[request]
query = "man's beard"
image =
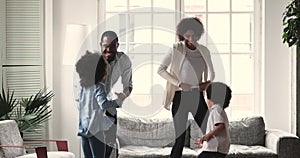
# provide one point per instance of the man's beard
(110, 59)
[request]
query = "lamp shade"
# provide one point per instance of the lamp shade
(74, 38)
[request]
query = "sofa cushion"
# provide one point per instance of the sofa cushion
(145, 132)
(243, 151)
(158, 132)
(152, 152)
(247, 131)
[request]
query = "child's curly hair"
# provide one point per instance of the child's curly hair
(219, 93)
(92, 69)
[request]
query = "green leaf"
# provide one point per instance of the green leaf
(7, 104)
(291, 23)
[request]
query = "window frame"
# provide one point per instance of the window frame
(257, 42)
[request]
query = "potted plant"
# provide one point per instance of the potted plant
(29, 113)
(291, 36)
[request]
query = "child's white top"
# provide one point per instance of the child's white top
(221, 141)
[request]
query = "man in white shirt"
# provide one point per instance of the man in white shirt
(120, 66)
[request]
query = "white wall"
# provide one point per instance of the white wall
(277, 69)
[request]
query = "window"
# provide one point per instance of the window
(146, 31)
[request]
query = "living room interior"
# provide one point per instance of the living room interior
(271, 64)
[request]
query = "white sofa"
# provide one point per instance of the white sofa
(151, 138)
